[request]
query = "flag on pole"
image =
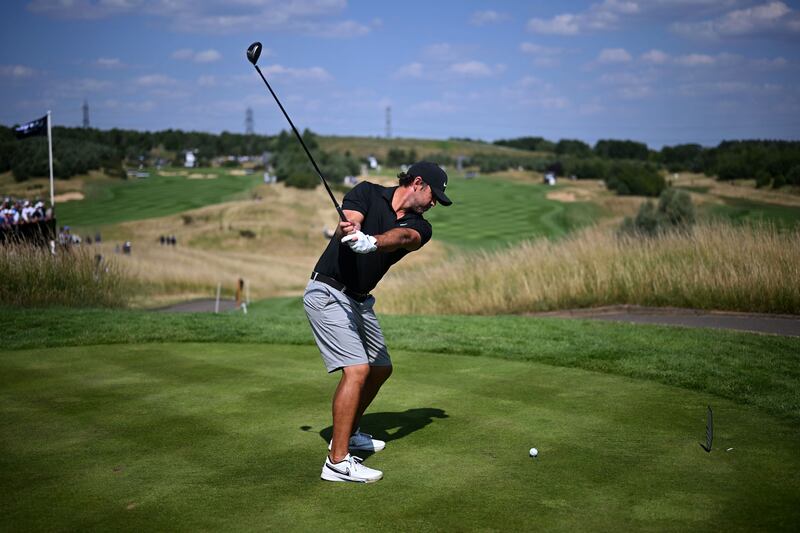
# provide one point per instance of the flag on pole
(32, 128)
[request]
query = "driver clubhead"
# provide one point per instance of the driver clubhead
(253, 52)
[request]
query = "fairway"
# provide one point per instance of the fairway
(489, 213)
(156, 196)
(746, 211)
(187, 437)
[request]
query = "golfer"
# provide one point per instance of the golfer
(383, 225)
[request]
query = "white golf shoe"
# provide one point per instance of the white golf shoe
(363, 442)
(349, 469)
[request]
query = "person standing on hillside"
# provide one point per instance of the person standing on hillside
(383, 225)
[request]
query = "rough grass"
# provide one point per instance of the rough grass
(30, 276)
(716, 266)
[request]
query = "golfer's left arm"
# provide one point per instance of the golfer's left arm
(397, 238)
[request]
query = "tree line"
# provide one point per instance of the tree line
(78, 150)
(631, 167)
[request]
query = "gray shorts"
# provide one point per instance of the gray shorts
(347, 332)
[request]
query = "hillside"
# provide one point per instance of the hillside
(362, 147)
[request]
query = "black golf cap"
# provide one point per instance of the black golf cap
(434, 176)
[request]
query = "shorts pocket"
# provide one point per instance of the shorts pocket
(317, 298)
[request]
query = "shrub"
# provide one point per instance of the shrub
(614, 149)
(632, 178)
(674, 211)
(793, 176)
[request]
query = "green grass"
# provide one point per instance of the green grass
(695, 188)
(135, 199)
(744, 211)
(489, 213)
(758, 370)
(188, 437)
(138, 421)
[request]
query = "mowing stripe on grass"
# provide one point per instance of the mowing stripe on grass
(187, 437)
(157, 196)
(491, 213)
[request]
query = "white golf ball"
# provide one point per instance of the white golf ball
(534, 452)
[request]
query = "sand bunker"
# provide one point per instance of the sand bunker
(562, 196)
(68, 197)
(202, 176)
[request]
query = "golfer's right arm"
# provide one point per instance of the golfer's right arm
(353, 224)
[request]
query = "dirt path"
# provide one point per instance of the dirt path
(787, 325)
(202, 305)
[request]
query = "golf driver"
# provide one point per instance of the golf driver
(253, 53)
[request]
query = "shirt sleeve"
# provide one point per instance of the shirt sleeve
(422, 226)
(358, 198)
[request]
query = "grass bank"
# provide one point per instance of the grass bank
(745, 368)
(489, 213)
(30, 276)
(163, 193)
(752, 268)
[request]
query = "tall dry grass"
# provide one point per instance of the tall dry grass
(30, 276)
(715, 266)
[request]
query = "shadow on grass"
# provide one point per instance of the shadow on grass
(391, 426)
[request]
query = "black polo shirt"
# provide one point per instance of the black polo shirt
(362, 272)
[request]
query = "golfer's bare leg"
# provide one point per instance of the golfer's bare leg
(346, 404)
(376, 378)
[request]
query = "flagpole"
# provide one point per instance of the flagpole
(50, 150)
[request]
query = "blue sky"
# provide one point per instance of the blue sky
(658, 71)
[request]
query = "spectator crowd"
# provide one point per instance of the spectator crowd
(19, 211)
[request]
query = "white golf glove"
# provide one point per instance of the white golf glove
(361, 243)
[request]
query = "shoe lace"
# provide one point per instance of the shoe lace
(355, 462)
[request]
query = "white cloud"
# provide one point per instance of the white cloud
(769, 17)
(656, 57)
(91, 85)
(775, 63)
(441, 52)
(599, 16)
(412, 70)
(728, 87)
(207, 56)
(82, 9)
(695, 60)
(338, 29)
(183, 53)
(566, 24)
(311, 73)
(482, 18)
(543, 56)
(472, 69)
(207, 81)
(155, 80)
(16, 71)
(314, 17)
(109, 62)
(635, 92)
(613, 55)
(530, 91)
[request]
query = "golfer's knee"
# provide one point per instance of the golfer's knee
(356, 373)
(381, 372)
